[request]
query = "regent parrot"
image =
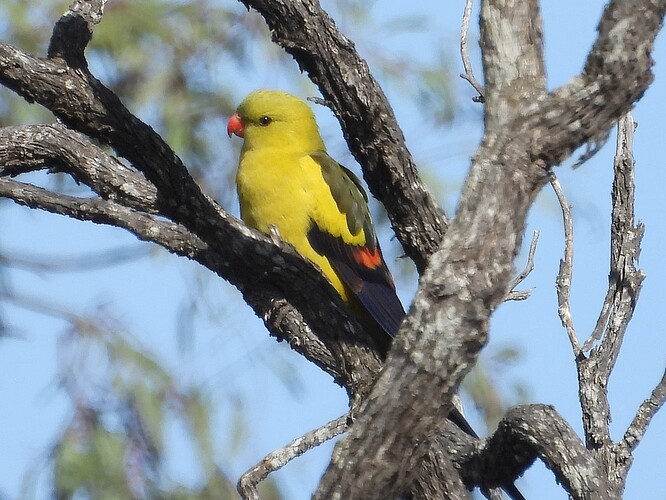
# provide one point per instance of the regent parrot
(286, 180)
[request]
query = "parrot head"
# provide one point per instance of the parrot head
(272, 118)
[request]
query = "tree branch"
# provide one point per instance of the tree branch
(625, 279)
(74, 30)
(147, 227)
(636, 430)
(565, 273)
(616, 73)
(247, 484)
(464, 53)
(624, 285)
(539, 431)
(58, 149)
(469, 275)
(432, 472)
(529, 267)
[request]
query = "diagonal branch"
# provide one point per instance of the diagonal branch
(636, 430)
(173, 237)
(616, 73)
(247, 485)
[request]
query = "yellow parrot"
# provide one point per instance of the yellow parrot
(287, 180)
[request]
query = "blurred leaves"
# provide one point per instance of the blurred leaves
(424, 78)
(124, 401)
(483, 385)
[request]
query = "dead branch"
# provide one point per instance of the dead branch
(563, 281)
(464, 52)
(624, 285)
(247, 484)
(529, 267)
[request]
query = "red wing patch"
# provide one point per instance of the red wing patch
(365, 273)
(367, 258)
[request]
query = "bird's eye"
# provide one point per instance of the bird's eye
(265, 120)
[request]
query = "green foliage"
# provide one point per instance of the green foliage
(484, 390)
(123, 400)
(93, 463)
(29, 29)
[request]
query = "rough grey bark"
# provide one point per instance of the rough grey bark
(527, 133)
(401, 440)
(625, 281)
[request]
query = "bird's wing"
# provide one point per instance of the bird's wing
(361, 267)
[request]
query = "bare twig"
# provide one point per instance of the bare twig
(563, 281)
(625, 239)
(320, 101)
(646, 411)
(529, 267)
(467, 63)
(247, 484)
(624, 285)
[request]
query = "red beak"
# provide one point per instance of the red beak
(235, 126)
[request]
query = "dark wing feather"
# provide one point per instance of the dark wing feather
(372, 286)
(362, 268)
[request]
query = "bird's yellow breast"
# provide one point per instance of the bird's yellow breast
(288, 191)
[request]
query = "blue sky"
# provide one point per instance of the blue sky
(281, 395)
